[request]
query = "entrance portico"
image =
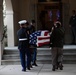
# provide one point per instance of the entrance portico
(21, 9)
(27, 9)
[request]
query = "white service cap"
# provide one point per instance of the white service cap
(22, 22)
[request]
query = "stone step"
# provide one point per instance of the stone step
(11, 55)
(11, 50)
(40, 50)
(50, 62)
(47, 50)
(42, 61)
(66, 47)
(49, 58)
(40, 56)
(14, 56)
(11, 62)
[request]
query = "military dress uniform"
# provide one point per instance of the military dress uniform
(23, 47)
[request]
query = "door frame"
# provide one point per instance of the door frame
(45, 6)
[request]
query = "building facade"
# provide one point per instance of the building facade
(30, 9)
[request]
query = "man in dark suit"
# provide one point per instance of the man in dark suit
(23, 46)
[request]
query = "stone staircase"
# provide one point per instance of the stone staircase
(11, 55)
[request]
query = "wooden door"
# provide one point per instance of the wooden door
(48, 13)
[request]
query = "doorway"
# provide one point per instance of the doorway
(48, 13)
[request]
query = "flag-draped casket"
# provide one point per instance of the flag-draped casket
(40, 38)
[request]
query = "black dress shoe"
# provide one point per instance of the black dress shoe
(28, 68)
(60, 66)
(24, 70)
(34, 64)
(56, 67)
(31, 66)
(53, 69)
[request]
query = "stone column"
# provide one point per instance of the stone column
(10, 28)
(9, 23)
(1, 28)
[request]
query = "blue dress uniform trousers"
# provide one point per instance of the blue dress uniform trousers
(25, 53)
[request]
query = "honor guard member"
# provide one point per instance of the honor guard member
(23, 45)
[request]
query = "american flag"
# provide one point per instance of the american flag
(40, 38)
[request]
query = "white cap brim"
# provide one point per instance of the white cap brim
(22, 22)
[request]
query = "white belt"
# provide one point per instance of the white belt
(23, 39)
